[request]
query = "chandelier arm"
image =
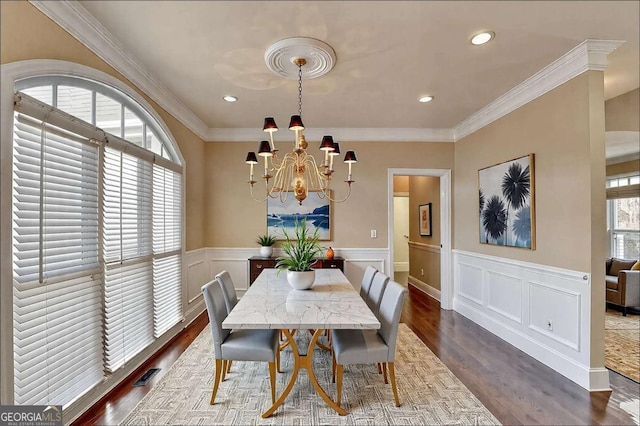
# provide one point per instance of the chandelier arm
(328, 194)
(322, 181)
(256, 199)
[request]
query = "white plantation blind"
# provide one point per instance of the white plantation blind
(128, 311)
(57, 283)
(97, 236)
(167, 245)
(127, 217)
(167, 298)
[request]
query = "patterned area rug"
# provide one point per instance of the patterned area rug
(622, 344)
(429, 392)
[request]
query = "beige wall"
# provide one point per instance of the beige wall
(422, 190)
(554, 127)
(25, 33)
(622, 113)
(236, 219)
(565, 130)
(400, 184)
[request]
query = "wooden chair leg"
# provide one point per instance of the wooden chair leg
(384, 372)
(272, 379)
(392, 375)
(224, 369)
(339, 371)
(333, 367)
(229, 366)
(379, 368)
(278, 362)
(216, 381)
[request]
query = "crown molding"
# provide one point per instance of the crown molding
(339, 134)
(78, 22)
(587, 56)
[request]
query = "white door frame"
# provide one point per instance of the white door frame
(446, 282)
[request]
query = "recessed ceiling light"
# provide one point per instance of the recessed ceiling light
(424, 99)
(230, 98)
(482, 38)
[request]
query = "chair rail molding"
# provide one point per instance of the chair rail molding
(542, 310)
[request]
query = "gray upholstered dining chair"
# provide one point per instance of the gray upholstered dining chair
(240, 345)
(230, 300)
(367, 278)
(228, 290)
(371, 346)
(374, 297)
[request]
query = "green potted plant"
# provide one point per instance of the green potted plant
(300, 255)
(266, 242)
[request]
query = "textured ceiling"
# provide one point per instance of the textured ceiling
(388, 54)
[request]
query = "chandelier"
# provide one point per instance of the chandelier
(298, 172)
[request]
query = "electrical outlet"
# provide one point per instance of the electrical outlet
(549, 325)
(422, 272)
(374, 233)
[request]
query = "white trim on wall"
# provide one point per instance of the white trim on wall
(542, 310)
(587, 56)
(425, 288)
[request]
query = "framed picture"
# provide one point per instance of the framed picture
(506, 203)
(283, 215)
(424, 216)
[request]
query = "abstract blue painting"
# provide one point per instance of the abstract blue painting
(506, 203)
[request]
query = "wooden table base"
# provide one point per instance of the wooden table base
(306, 362)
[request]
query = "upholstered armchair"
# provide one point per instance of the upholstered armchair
(623, 284)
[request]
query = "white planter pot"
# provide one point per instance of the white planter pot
(266, 251)
(301, 280)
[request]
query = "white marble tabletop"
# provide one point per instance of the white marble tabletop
(331, 302)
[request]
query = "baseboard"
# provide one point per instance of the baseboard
(430, 291)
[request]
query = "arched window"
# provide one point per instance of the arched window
(97, 235)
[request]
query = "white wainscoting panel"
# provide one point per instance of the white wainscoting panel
(233, 260)
(196, 267)
(504, 295)
(471, 283)
(542, 310)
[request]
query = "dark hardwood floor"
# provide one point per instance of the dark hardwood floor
(516, 388)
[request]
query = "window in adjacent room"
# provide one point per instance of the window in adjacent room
(623, 216)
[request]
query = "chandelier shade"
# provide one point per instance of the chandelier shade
(298, 172)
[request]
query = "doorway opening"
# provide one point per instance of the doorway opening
(442, 202)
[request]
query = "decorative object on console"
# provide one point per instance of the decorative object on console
(424, 215)
(299, 256)
(266, 242)
(282, 216)
(506, 201)
(298, 171)
(330, 253)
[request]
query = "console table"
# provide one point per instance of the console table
(257, 264)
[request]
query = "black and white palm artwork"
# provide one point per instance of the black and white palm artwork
(505, 196)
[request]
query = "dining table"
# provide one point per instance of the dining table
(331, 303)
